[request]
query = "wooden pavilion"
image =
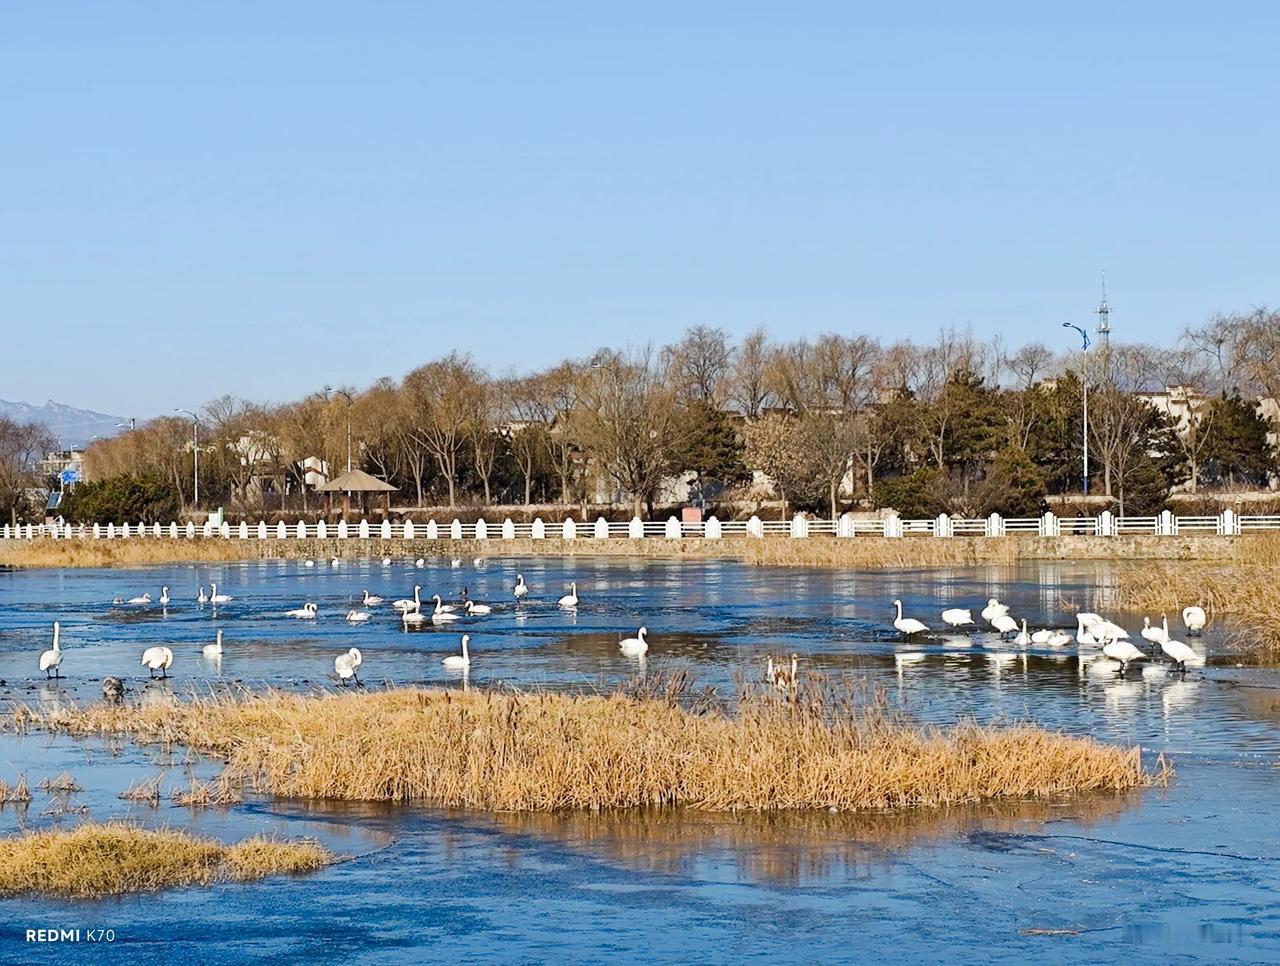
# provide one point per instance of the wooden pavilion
(357, 481)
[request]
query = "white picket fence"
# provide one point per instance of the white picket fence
(1228, 523)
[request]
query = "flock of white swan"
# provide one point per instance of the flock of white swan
(160, 658)
(1094, 634)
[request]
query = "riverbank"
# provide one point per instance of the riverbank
(814, 551)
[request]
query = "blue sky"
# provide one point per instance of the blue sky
(261, 198)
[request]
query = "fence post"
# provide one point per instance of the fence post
(844, 527)
(755, 527)
(482, 529)
(244, 530)
(1049, 526)
(671, 530)
(410, 529)
(635, 529)
(508, 529)
(1106, 524)
(539, 529)
(892, 525)
(1167, 524)
(433, 529)
(799, 526)
(364, 530)
(386, 529)
(322, 531)
(712, 530)
(942, 526)
(569, 530)
(1228, 523)
(601, 530)
(995, 525)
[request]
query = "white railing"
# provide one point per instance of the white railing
(1227, 523)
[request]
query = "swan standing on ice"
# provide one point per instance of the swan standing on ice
(476, 610)
(213, 650)
(164, 596)
(408, 605)
(51, 659)
(1058, 639)
(957, 616)
(521, 589)
(307, 611)
(994, 609)
(459, 662)
(357, 616)
(635, 646)
(1194, 619)
(201, 597)
(1156, 635)
(1124, 652)
(1179, 653)
(371, 600)
(907, 626)
(1005, 624)
(570, 599)
(1023, 639)
(215, 597)
(157, 659)
(344, 665)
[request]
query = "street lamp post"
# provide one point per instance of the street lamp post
(195, 452)
(343, 392)
(1084, 384)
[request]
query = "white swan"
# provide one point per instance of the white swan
(1124, 652)
(334, 562)
(357, 616)
(407, 605)
(1107, 631)
(201, 597)
(420, 562)
(1024, 638)
(570, 599)
(144, 599)
(907, 626)
(635, 646)
(157, 659)
(1179, 653)
(474, 610)
(412, 618)
(213, 650)
(442, 615)
(462, 661)
(455, 563)
(521, 588)
(215, 597)
(1005, 624)
(307, 611)
(1194, 619)
(1042, 637)
(1058, 639)
(308, 563)
(994, 609)
(164, 596)
(1156, 635)
(479, 562)
(344, 665)
(371, 600)
(782, 678)
(957, 616)
(1083, 633)
(386, 561)
(51, 659)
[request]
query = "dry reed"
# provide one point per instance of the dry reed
(63, 783)
(514, 752)
(1243, 590)
(20, 792)
(113, 858)
(134, 552)
(147, 792)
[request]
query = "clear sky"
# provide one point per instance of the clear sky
(260, 198)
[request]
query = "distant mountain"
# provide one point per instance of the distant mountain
(74, 427)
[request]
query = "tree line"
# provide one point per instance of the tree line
(955, 425)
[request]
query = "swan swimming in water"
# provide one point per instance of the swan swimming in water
(344, 665)
(51, 659)
(157, 659)
(371, 600)
(357, 616)
(475, 610)
(442, 614)
(408, 605)
(635, 646)
(215, 597)
(521, 588)
(306, 611)
(201, 597)
(455, 563)
(459, 662)
(570, 599)
(412, 618)
(213, 650)
(907, 626)
(144, 599)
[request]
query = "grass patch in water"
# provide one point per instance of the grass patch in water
(114, 858)
(828, 748)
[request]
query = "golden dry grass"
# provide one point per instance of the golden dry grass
(515, 752)
(134, 552)
(113, 858)
(881, 552)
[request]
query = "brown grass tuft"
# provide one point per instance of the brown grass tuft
(509, 751)
(63, 783)
(20, 792)
(99, 859)
(147, 792)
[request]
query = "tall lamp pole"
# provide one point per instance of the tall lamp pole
(343, 392)
(1084, 384)
(195, 452)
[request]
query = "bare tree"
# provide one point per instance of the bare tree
(700, 363)
(442, 397)
(748, 389)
